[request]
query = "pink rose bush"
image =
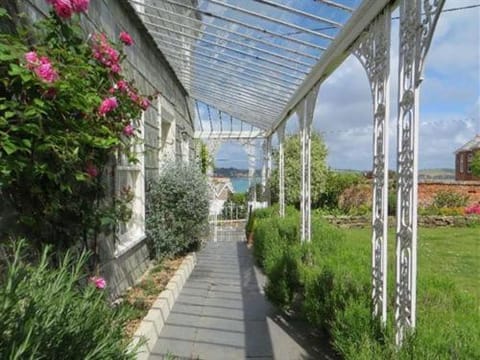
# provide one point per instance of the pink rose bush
(73, 111)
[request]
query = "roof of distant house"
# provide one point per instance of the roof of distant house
(471, 145)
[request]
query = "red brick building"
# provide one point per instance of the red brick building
(464, 158)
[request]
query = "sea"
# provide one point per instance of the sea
(240, 185)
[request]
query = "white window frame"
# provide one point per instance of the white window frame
(135, 233)
(462, 164)
(167, 141)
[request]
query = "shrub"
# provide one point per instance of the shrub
(47, 314)
(449, 199)
(336, 183)
(177, 209)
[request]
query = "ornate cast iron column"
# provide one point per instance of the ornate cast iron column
(281, 169)
(305, 112)
(268, 166)
(250, 149)
(373, 51)
(418, 19)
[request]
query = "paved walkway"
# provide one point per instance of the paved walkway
(222, 313)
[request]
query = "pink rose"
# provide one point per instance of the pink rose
(63, 8)
(108, 105)
(122, 85)
(115, 68)
(80, 5)
(98, 281)
(126, 38)
(128, 130)
(32, 59)
(133, 96)
(91, 170)
(144, 103)
(46, 72)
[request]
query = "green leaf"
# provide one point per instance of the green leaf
(9, 114)
(80, 176)
(4, 13)
(27, 143)
(9, 147)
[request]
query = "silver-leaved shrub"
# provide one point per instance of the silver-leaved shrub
(177, 209)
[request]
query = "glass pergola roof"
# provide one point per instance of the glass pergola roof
(253, 59)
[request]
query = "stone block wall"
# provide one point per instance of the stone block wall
(358, 222)
(147, 66)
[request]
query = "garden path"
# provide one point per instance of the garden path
(222, 312)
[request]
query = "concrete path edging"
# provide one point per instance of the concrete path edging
(152, 324)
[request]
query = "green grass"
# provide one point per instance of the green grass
(452, 253)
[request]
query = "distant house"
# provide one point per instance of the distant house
(223, 187)
(220, 190)
(464, 158)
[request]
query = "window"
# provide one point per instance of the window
(461, 163)
(469, 162)
(130, 179)
(167, 135)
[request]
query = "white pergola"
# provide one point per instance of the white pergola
(260, 61)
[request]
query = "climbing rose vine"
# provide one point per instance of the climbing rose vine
(66, 111)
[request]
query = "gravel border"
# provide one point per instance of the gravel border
(152, 324)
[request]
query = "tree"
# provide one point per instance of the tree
(336, 184)
(293, 170)
(476, 164)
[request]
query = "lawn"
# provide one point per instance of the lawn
(449, 253)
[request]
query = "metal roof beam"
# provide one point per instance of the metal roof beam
(300, 12)
(248, 26)
(266, 108)
(224, 81)
(336, 5)
(336, 53)
(234, 135)
(258, 102)
(221, 28)
(276, 63)
(226, 84)
(254, 116)
(250, 106)
(267, 83)
(289, 82)
(243, 44)
(273, 20)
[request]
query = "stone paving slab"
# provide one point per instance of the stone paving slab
(221, 313)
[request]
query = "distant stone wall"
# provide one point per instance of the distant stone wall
(351, 222)
(427, 190)
(146, 65)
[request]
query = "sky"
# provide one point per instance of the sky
(449, 105)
